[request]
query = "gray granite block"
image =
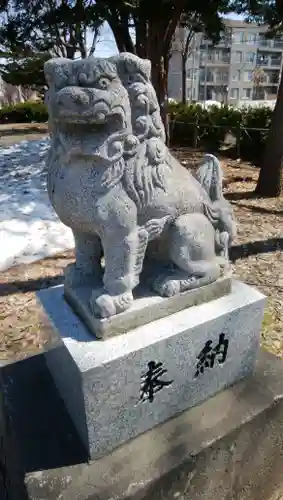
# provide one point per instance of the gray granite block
(101, 382)
(147, 306)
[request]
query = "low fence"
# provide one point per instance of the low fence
(245, 142)
(236, 105)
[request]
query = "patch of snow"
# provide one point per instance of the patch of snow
(29, 228)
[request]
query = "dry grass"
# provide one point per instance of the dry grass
(257, 260)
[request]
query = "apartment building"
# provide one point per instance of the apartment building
(244, 65)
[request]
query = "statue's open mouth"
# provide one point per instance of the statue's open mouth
(93, 125)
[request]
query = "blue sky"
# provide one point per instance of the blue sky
(106, 45)
(234, 16)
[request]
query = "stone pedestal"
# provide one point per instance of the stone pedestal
(146, 308)
(116, 389)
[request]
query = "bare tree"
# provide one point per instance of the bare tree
(258, 78)
(183, 42)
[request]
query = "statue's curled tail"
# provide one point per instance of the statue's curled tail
(219, 212)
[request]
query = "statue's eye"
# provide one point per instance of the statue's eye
(103, 83)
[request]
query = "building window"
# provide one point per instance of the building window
(247, 93)
(206, 76)
(273, 77)
(191, 74)
(222, 76)
(225, 36)
(234, 93)
(278, 43)
(208, 94)
(218, 55)
(236, 76)
(209, 76)
(205, 42)
(237, 37)
(237, 57)
(250, 57)
(248, 76)
(276, 60)
(262, 59)
(265, 42)
(251, 38)
(207, 56)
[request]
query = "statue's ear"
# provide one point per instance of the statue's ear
(147, 68)
(57, 71)
(128, 64)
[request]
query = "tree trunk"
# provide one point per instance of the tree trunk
(159, 76)
(184, 79)
(141, 38)
(165, 116)
(270, 177)
(121, 33)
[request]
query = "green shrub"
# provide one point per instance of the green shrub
(26, 112)
(253, 141)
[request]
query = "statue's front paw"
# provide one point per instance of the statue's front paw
(106, 305)
(103, 307)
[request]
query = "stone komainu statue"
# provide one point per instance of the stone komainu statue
(128, 201)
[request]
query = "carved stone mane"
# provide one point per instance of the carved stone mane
(146, 162)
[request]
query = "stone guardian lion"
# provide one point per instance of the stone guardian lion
(128, 201)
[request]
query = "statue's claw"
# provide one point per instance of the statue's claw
(109, 305)
(166, 287)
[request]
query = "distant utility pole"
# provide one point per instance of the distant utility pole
(193, 69)
(205, 72)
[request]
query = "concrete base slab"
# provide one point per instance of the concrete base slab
(228, 447)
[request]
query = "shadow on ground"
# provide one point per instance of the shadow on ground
(30, 285)
(237, 252)
(43, 433)
(255, 247)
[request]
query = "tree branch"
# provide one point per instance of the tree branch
(94, 41)
(172, 25)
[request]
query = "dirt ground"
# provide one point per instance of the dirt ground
(14, 133)
(256, 255)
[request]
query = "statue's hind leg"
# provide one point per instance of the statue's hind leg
(87, 268)
(192, 250)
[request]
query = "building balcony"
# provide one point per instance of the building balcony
(269, 83)
(215, 82)
(261, 62)
(209, 62)
(276, 45)
(269, 63)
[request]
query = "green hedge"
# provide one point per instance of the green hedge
(192, 125)
(26, 112)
